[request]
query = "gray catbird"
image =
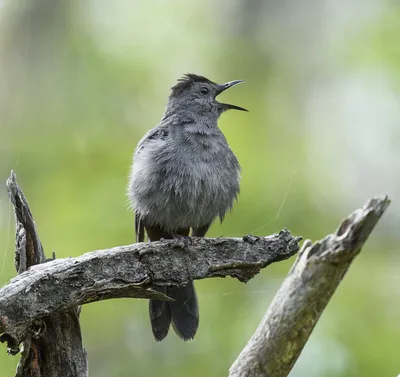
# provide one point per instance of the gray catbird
(183, 176)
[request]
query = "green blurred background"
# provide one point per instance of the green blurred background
(82, 81)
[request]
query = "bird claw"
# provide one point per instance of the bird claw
(186, 240)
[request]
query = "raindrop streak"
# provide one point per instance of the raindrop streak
(281, 206)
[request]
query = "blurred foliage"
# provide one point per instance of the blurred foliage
(81, 82)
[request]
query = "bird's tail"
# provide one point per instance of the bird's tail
(183, 312)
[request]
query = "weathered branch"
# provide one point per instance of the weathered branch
(53, 346)
(296, 308)
(131, 271)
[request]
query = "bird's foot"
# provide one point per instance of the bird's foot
(186, 241)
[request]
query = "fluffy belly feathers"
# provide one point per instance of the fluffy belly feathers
(180, 193)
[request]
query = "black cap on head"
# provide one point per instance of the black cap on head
(187, 81)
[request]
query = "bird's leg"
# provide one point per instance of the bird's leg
(200, 231)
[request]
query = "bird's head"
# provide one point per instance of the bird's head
(198, 95)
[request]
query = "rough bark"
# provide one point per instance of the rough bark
(39, 306)
(297, 306)
(131, 271)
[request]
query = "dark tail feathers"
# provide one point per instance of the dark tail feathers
(183, 312)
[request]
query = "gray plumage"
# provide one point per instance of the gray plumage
(183, 176)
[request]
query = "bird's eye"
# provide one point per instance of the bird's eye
(204, 90)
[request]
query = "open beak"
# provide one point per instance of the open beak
(222, 88)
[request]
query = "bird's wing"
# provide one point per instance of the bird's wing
(162, 131)
(155, 134)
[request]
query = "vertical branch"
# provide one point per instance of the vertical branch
(289, 321)
(53, 347)
(28, 248)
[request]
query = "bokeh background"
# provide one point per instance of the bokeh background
(82, 81)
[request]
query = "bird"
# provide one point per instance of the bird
(183, 176)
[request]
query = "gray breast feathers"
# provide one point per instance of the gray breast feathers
(181, 181)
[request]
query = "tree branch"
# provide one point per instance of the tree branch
(131, 271)
(297, 306)
(53, 346)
